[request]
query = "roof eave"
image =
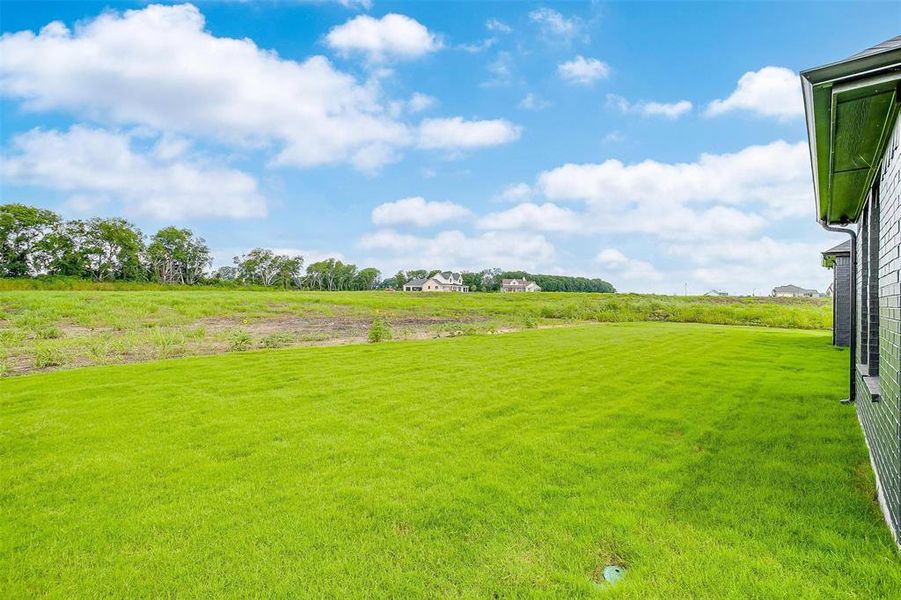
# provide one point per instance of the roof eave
(822, 88)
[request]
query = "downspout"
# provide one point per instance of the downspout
(852, 367)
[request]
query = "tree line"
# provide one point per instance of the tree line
(489, 280)
(38, 242)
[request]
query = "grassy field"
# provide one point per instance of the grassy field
(709, 461)
(50, 329)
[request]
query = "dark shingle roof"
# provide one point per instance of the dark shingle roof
(416, 282)
(843, 248)
(885, 46)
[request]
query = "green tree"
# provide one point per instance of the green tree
(178, 256)
(367, 279)
(112, 249)
(22, 229)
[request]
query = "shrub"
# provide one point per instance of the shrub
(379, 331)
(47, 356)
(278, 339)
(239, 340)
(49, 332)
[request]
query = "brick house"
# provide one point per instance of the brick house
(838, 258)
(855, 149)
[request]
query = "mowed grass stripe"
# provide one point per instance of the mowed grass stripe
(712, 461)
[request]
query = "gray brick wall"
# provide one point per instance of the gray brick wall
(882, 420)
(841, 301)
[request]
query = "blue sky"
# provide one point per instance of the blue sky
(656, 145)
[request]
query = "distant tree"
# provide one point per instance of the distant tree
(177, 256)
(367, 279)
(491, 279)
(562, 283)
(287, 271)
(112, 249)
(22, 229)
(63, 250)
(257, 267)
(226, 273)
(473, 280)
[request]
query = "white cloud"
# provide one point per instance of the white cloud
(159, 68)
(633, 271)
(555, 27)
(500, 69)
(417, 211)
(769, 92)
(498, 26)
(583, 71)
(543, 217)
(517, 192)
(672, 110)
(455, 133)
(476, 47)
(671, 223)
(97, 166)
(533, 102)
(456, 250)
(743, 266)
(776, 175)
(392, 36)
(420, 102)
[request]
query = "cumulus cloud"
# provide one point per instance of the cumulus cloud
(393, 36)
(537, 217)
(776, 175)
(500, 70)
(754, 265)
(769, 92)
(498, 26)
(633, 271)
(96, 166)
(455, 133)
(583, 71)
(159, 68)
(417, 211)
(456, 250)
(533, 102)
(671, 110)
(517, 192)
(555, 27)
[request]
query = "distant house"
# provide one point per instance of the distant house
(716, 293)
(838, 258)
(519, 285)
(445, 281)
(854, 137)
(794, 291)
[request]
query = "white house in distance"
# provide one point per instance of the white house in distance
(445, 281)
(794, 291)
(716, 293)
(519, 285)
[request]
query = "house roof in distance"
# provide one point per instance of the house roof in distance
(416, 282)
(791, 288)
(843, 248)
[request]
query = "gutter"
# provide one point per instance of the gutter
(852, 366)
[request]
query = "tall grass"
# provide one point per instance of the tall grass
(115, 325)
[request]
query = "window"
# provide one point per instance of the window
(873, 283)
(869, 285)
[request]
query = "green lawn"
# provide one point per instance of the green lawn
(50, 329)
(710, 461)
